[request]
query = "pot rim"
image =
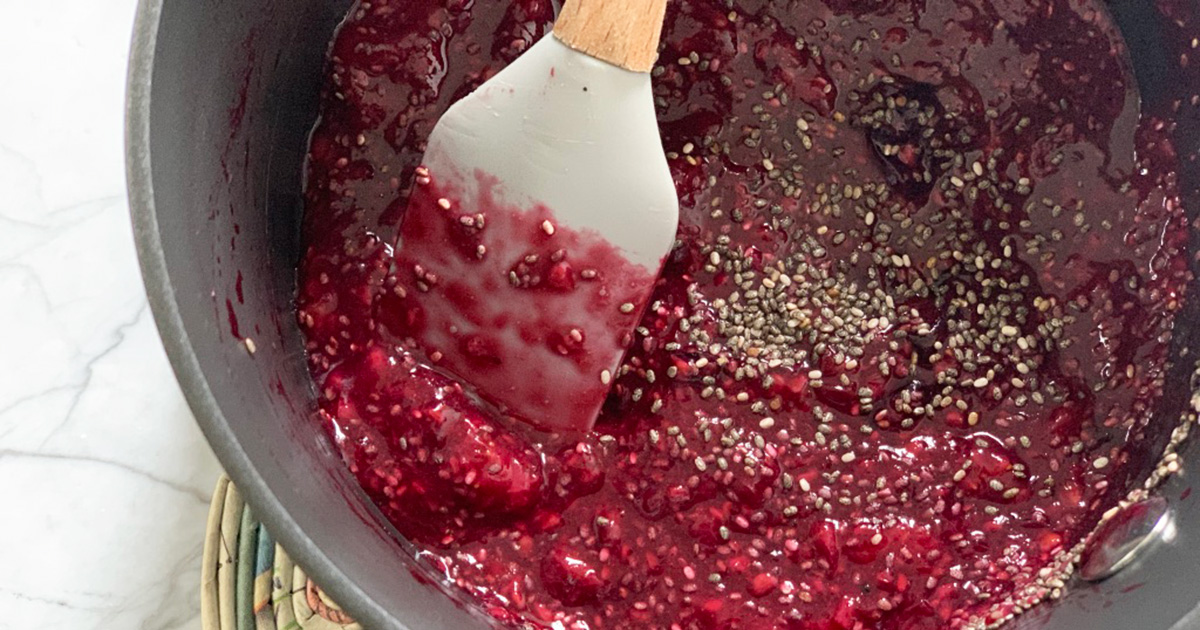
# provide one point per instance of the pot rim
(159, 290)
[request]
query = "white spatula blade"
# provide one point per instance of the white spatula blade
(533, 242)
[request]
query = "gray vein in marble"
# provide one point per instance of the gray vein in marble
(29, 398)
(180, 586)
(119, 336)
(200, 496)
(88, 210)
(34, 278)
(60, 603)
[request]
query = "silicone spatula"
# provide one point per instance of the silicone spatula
(541, 217)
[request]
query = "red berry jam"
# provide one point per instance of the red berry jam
(896, 366)
(492, 291)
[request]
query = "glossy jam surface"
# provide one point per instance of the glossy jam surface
(928, 262)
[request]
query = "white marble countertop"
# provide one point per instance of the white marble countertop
(104, 477)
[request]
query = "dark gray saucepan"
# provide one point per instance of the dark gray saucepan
(222, 95)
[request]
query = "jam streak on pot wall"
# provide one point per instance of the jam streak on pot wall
(929, 258)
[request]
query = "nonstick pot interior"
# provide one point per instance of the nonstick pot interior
(222, 96)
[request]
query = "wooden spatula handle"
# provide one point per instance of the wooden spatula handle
(622, 32)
